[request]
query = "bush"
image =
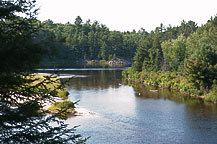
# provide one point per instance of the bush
(212, 94)
(54, 84)
(67, 108)
(103, 62)
(167, 79)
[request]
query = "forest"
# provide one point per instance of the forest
(186, 61)
(74, 43)
(180, 57)
(23, 93)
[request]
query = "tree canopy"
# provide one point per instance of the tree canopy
(183, 57)
(22, 97)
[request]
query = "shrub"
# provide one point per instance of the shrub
(67, 108)
(212, 94)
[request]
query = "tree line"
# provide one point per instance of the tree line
(187, 62)
(23, 118)
(182, 57)
(73, 43)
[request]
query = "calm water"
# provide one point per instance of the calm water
(118, 112)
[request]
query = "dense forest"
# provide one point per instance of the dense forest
(23, 94)
(185, 60)
(181, 57)
(74, 43)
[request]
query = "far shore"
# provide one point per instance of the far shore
(159, 86)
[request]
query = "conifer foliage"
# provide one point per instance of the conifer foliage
(22, 119)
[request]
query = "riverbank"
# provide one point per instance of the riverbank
(54, 85)
(58, 103)
(171, 80)
(160, 86)
(122, 108)
(116, 62)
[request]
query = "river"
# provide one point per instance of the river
(118, 112)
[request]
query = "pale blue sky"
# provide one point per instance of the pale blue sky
(126, 15)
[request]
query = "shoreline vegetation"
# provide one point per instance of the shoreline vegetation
(164, 87)
(54, 85)
(183, 57)
(187, 63)
(115, 62)
(23, 94)
(169, 80)
(60, 102)
(180, 57)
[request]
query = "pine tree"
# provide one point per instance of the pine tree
(22, 97)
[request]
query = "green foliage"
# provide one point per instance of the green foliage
(212, 95)
(201, 68)
(166, 79)
(63, 94)
(155, 55)
(22, 96)
(67, 108)
(64, 105)
(142, 55)
(187, 60)
(83, 41)
(93, 41)
(130, 73)
(103, 62)
(188, 28)
(205, 35)
(174, 53)
(16, 36)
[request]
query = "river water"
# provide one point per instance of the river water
(118, 112)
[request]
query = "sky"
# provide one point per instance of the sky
(126, 15)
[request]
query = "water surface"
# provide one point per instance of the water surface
(118, 112)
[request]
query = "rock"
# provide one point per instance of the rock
(153, 90)
(117, 61)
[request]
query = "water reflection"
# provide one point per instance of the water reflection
(103, 89)
(193, 103)
(131, 113)
(95, 80)
(194, 120)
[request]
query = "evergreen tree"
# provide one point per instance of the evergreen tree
(174, 52)
(155, 54)
(22, 98)
(201, 67)
(141, 58)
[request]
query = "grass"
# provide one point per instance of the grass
(97, 62)
(172, 80)
(52, 86)
(66, 109)
(50, 82)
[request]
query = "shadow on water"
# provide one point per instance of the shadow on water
(151, 92)
(186, 120)
(95, 80)
(127, 112)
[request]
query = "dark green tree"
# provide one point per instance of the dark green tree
(187, 28)
(141, 58)
(78, 22)
(201, 68)
(155, 54)
(22, 117)
(174, 53)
